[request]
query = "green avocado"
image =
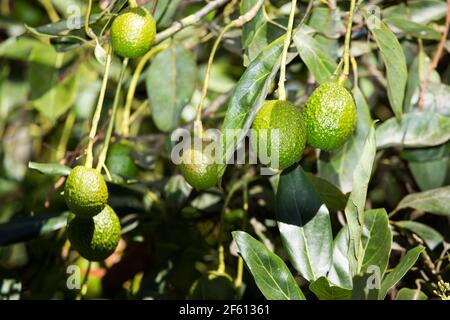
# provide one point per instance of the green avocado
(288, 120)
(85, 192)
(330, 115)
(199, 169)
(120, 162)
(133, 32)
(97, 238)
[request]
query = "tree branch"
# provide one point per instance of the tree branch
(189, 20)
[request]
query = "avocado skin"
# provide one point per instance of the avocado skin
(330, 115)
(284, 116)
(85, 192)
(97, 238)
(133, 33)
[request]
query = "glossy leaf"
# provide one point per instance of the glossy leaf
(271, 274)
(304, 224)
(325, 291)
(248, 96)
(316, 58)
(433, 201)
(406, 263)
(333, 198)
(354, 211)
(414, 130)
(338, 166)
(430, 236)
(51, 169)
(171, 81)
(394, 60)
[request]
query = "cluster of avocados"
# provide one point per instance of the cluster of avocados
(325, 122)
(93, 227)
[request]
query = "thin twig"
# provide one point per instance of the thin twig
(436, 59)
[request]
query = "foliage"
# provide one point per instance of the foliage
(369, 220)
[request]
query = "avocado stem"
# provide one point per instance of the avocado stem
(348, 34)
(132, 3)
(133, 84)
(98, 111)
(287, 43)
(104, 152)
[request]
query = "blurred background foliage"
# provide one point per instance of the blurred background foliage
(50, 78)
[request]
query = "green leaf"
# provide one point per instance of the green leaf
(412, 28)
(248, 97)
(433, 201)
(406, 263)
(414, 130)
(324, 291)
(250, 28)
(30, 227)
(431, 174)
(171, 81)
(340, 273)
(333, 198)
(264, 35)
(271, 274)
(419, 11)
(376, 240)
(337, 167)
(354, 211)
(304, 224)
(394, 60)
(427, 154)
(51, 169)
(431, 237)
(411, 294)
(316, 58)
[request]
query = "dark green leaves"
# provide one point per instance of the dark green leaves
(24, 229)
(171, 81)
(51, 169)
(316, 57)
(304, 224)
(434, 201)
(249, 95)
(406, 263)
(271, 274)
(394, 59)
(414, 130)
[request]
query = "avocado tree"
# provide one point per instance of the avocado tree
(224, 149)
